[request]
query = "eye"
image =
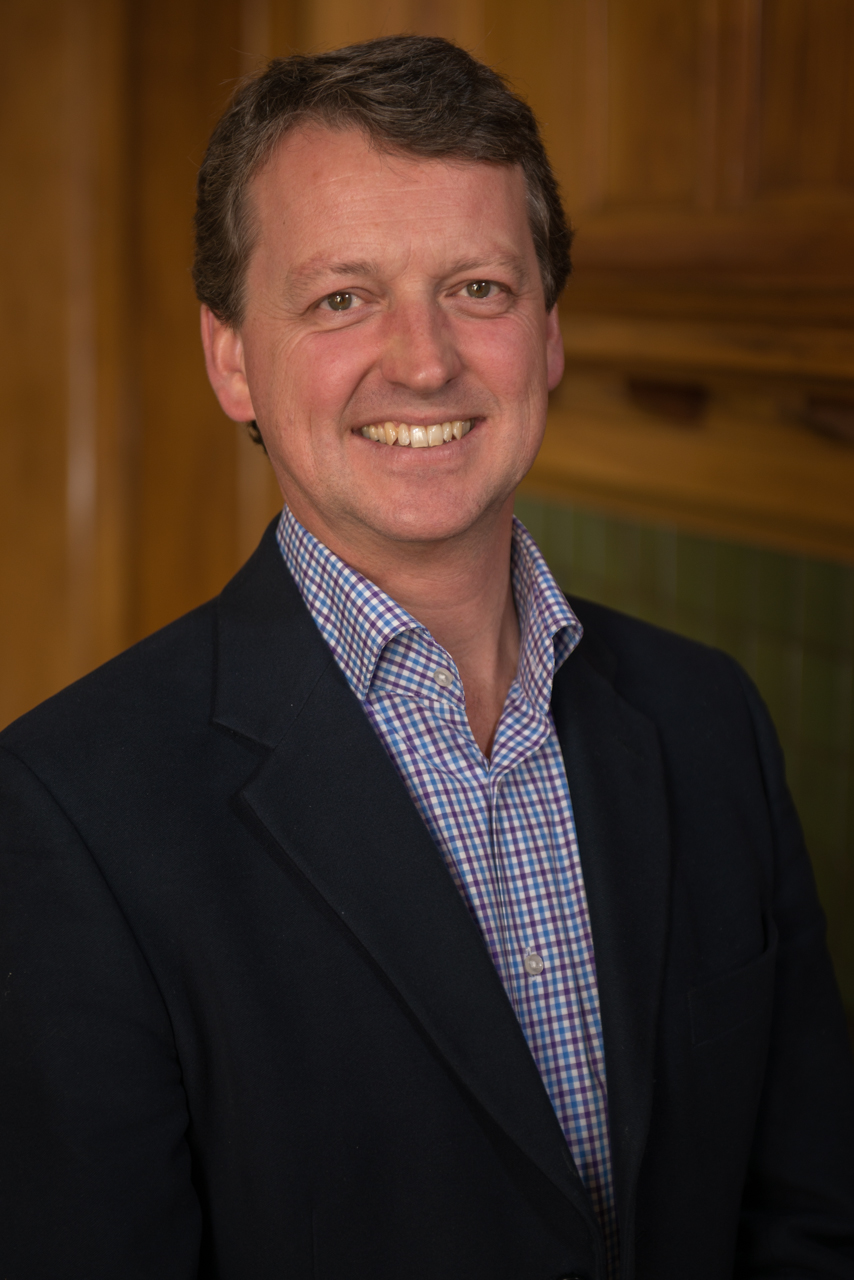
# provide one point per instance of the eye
(479, 288)
(341, 301)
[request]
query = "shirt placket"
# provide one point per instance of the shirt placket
(520, 734)
(542, 966)
(505, 826)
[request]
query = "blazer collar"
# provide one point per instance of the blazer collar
(330, 799)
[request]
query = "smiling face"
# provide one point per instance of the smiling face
(387, 289)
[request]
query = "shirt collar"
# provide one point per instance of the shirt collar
(357, 620)
(549, 628)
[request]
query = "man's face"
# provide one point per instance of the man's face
(386, 288)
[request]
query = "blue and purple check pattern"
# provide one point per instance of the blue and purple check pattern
(504, 826)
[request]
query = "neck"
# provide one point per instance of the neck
(460, 590)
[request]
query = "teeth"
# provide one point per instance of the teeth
(418, 437)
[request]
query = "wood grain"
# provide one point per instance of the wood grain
(706, 151)
(63, 531)
(749, 471)
(690, 344)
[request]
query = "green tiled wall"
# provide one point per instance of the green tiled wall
(787, 619)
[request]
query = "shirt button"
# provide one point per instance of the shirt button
(534, 964)
(443, 677)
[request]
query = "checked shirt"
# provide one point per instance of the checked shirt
(504, 826)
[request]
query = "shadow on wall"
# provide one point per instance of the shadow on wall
(787, 619)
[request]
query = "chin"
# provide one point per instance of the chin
(433, 522)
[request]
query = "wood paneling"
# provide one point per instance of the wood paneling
(184, 64)
(690, 345)
(706, 150)
(653, 97)
(63, 539)
(758, 462)
(125, 495)
(713, 136)
(35, 395)
(805, 103)
(328, 24)
(746, 467)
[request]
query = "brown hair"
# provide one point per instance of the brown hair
(417, 94)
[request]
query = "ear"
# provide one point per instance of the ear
(226, 368)
(554, 349)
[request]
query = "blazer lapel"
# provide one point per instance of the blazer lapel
(616, 782)
(332, 802)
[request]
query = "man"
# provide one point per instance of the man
(387, 917)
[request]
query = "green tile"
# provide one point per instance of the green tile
(696, 575)
(788, 620)
(737, 572)
(829, 606)
(777, 672)
(628, 548)
(590, 539)
(826, 702)
(667, 569)
(533, 515)
(614, 563)
(557, 542)
(779, 598)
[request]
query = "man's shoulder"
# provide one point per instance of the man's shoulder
(662, 672)
(633, 642)
(163, 682)
(164, 685)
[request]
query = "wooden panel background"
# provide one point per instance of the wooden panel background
(64, 439)
(706, 149)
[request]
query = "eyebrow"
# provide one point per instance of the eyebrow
(316, 267)
(508, 261)
(306, 273)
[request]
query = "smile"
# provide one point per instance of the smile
(418, 437)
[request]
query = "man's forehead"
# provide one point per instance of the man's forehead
(312, 140)
(314, 166)
(350, 202)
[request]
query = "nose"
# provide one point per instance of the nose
(420, 351)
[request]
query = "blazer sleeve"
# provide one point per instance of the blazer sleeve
(94, 1159)
(798, 1207)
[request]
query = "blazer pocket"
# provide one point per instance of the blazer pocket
(726, 1003)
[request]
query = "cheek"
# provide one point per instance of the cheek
(510, 360)
(319, 376)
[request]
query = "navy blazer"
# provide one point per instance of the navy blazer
(249, 1029)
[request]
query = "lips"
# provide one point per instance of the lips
(418, 437)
